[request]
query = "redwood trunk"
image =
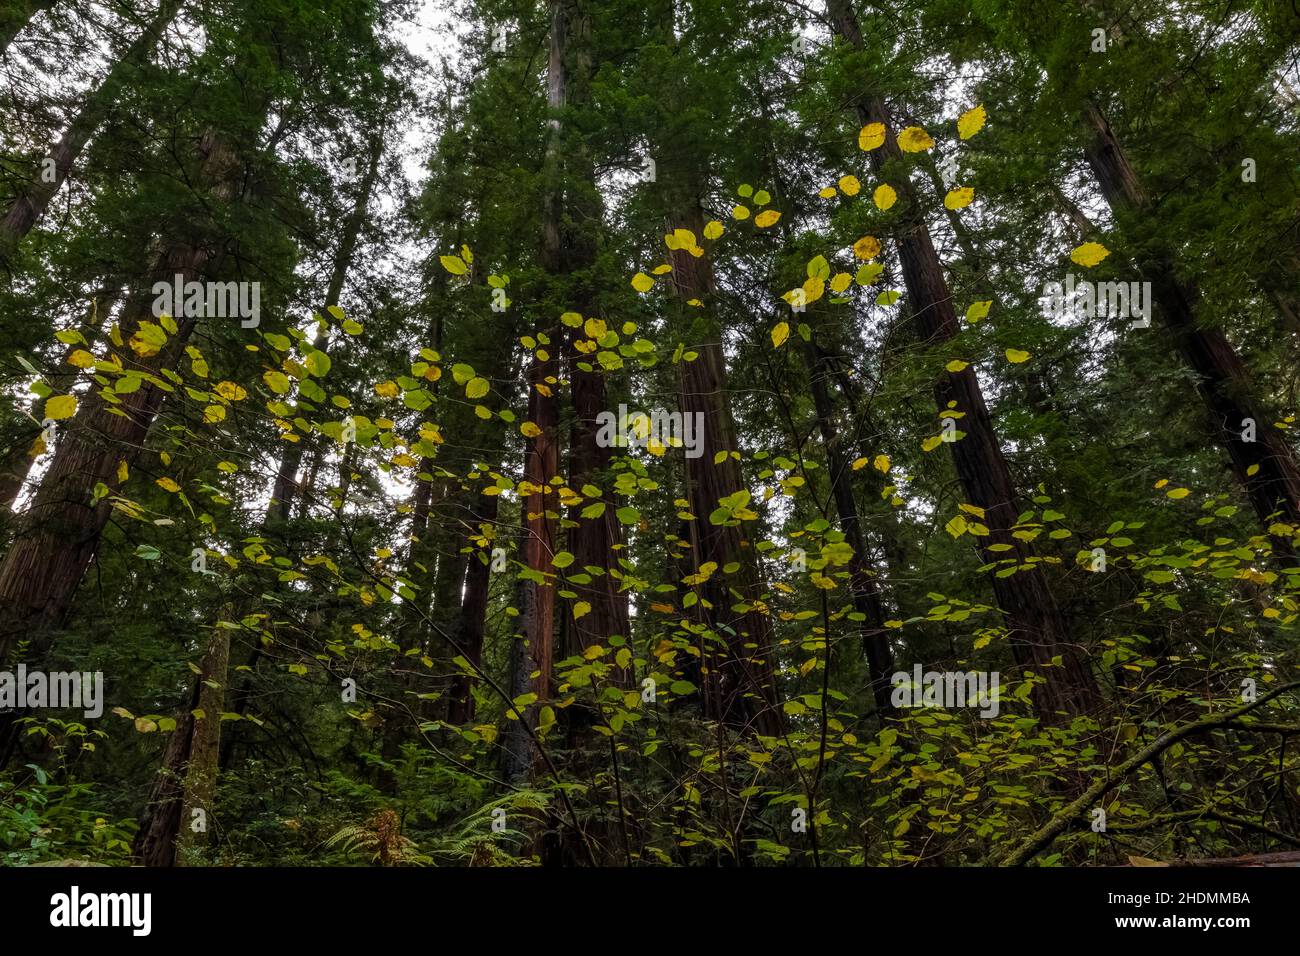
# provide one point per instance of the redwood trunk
(1037, 630)
(1222, 380)
(179, 815)
(59, 534)
(739, 677)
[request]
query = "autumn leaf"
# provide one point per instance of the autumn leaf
(167, 484)
(970, 122)
(914, 140)
(871, 136)
(713, 229)
(1015, 356)
(642, 282)
(868, 247)
(1089, 254)
(959, 198)
(978, 311)
(885, 196)
(60, 406)
(881, 463)
(740, 212)
(476, 387)
(849, 185)
(454, 264)
(768, 217)
(277, 382)
(780, 334)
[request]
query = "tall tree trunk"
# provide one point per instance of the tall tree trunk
(1037, 630)
(864, 588)
(179, 815)
(472, 623)
(28, 207)
(739, 677)
(541, 456)
(286, 477)
(573, 214)
(16, 15)
(1222, 380)
(59, 534)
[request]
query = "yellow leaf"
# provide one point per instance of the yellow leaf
(813, 289)
(166, 484)
(970, 122)
(780, 334)
(1161, 483)
(868, 247)
(476, 387)
(81, 359)
(1089, 254)
(871, 136)
(914, 140)
(123, 471)
(713, 229)
(850, 185)
(860, 463)
(642, 282)
(581, 609)
(454, 264)
(840, 282)
(530, 430)
(231, 392)
(60, 406)
(1015, 356)
(662, 270)
(881, 463)
(1252, 470)
(957, 365)
(1178, 493)
(387, 389)
(740, 212)
(959, 198)
(978, 310)
(214, 413)
(767, 217)
(827, 192)
(885, 196)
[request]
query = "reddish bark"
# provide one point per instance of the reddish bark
(1038, 635)
(58, 535)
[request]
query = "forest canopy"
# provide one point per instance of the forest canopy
(656, 433)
